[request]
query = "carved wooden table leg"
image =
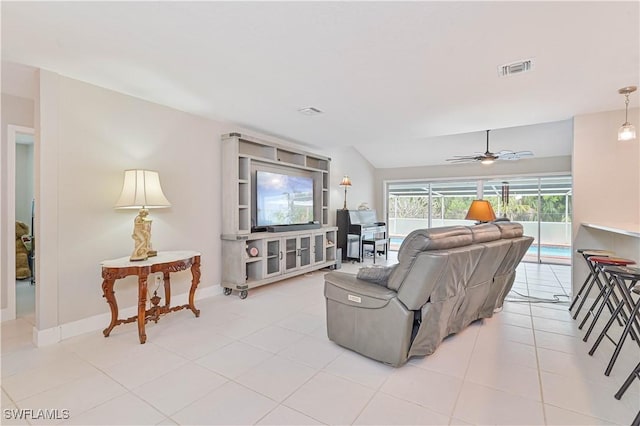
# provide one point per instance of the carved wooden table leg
(107, 289)
(167, 289)
(142, 306)
(195, 273)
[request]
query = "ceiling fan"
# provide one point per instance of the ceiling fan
(489, 157)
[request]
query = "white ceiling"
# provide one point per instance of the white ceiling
(406, 75)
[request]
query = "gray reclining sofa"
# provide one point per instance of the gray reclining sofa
(445, 279)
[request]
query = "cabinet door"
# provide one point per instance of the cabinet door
(318, 248)
(273, 257)
(297, 252)
(290, 253)
(304, 251)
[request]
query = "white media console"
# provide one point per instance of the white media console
(251, 259)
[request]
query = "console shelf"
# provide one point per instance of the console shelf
(280, 254)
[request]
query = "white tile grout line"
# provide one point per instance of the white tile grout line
(464, 377)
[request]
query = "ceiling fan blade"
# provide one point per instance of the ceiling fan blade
(463, 158)
(511, 156)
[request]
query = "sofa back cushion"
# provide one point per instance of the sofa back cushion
(485, 232)
(509, 229)
(422, 240)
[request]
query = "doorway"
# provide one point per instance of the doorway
(21, 294)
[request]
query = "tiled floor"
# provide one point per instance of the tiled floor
(267, 360)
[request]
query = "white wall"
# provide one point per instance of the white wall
(348, 161)
(16, 111)
(86, 137)
(606, 186)
(100, 134)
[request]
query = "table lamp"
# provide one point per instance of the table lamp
(481, 211)
(346, 182)
(141, 190)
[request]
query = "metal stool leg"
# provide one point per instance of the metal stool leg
(582, 294)
(586, 287)
(634, 373)
(607, 293)
(628, 329)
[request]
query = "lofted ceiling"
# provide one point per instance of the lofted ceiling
(420, 78)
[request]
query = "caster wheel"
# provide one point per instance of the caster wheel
(243, 294)
(227, 291)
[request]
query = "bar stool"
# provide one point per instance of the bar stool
(635, 373)
(607, 290)
(625, 279)
(588, 283)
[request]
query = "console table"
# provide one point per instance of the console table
(165, 262)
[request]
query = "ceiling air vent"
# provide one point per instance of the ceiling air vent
(515, 68)
(310, 111)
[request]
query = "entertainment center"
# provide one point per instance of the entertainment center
(275, 213)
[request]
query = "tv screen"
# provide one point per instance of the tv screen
(283, 199)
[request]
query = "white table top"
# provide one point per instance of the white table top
(162, 257)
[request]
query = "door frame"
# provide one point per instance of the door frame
(9, 313)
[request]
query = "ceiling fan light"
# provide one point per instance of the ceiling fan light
(626, 132)
(487, 161)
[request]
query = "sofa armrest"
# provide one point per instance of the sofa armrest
(350, 283)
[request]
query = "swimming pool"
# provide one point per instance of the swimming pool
(545, 249)
(549, 250)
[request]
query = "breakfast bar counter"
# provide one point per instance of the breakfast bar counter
(630, 230)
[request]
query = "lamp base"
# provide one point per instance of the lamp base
(142, 237)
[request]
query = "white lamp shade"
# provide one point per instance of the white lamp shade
(141, 188)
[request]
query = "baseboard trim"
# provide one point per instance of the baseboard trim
(7, 314)
(47, 336)
(99, 322)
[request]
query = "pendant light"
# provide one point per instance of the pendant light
(627, 131)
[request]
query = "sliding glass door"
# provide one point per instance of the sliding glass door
(541, 204)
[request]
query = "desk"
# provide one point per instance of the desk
(165, 262)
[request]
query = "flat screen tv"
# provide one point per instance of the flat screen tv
(283, 199)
